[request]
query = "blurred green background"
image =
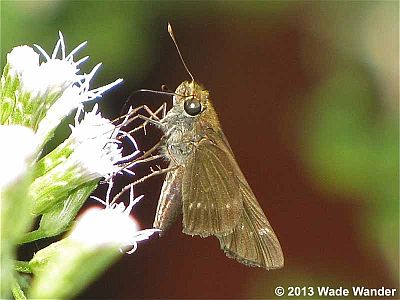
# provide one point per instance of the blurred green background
(308, 96)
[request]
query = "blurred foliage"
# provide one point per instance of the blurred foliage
(352, 122)
(349, 145)
(352, 150)
(116, 40)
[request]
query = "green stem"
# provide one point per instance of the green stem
(33, 236)
(23, 267)
(17, 292)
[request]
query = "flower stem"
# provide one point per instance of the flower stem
(33, 236)
(17, 291)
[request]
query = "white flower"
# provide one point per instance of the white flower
(57, 74)
(18, 146)
(111, 226)
(22, 59)
(76, 87)
(51, 77)
(97, 151)
(68, 101)
(49, 91)
(92, 126)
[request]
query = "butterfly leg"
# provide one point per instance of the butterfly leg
(129, 113)
(136, 182)
(153, 119)
(162, 109)
(146, 157)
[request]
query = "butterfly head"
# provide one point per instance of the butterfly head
(192, 97)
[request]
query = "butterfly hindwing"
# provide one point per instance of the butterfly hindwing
(170, 201)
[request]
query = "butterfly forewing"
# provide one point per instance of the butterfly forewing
(210, 194)
(253, 241)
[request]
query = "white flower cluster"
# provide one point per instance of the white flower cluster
(34, 97)
(53, 88)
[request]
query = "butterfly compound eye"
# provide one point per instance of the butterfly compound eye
(192, 106)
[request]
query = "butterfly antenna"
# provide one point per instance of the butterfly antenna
(171, 33)
(142, 91)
